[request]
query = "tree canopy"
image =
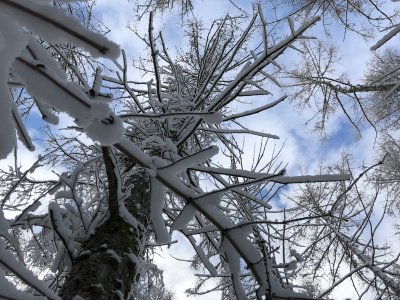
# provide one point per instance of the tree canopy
(144, 146)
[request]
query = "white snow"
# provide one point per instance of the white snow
(184, 217)
(9, 291)
(157, 195)
(386, 38)
(12, 42)
(52, 24)
(9, 261)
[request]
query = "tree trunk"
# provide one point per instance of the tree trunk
(108, 267)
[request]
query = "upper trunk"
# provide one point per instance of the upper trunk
(108, 267)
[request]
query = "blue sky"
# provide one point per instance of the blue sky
(303, 149)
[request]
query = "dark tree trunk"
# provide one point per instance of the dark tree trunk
(108, 269)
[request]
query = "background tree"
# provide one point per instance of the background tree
(344, 245)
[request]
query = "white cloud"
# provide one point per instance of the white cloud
(178, 275)
(302, 148)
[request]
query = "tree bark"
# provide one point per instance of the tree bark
(108, 268)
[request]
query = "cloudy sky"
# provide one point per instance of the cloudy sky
(303, 149)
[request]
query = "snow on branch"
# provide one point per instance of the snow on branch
(311, 178)
(8, 261)
(189, 161)
(54, 25)
(208, 208)
(208, 117)
(232, 90)
(244, 131)
(386, 38)
(96, 118)
(254, 111)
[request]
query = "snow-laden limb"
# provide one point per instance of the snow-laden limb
(52, 24)
(157, 196)
(311, 178)
(245, 131)
(235, 86)
(9, 291)
(208, 207)
(278, 178)
(203, 257)
(184, 217)
(12, 42)
(233, 259)
(199, 250)
(232, 172)
(17, 268)
(95, 117)
(208, 117)
(26, 213)
(189, 161)
(23, 135)
(386, 38)
(255, 110)
(60, 228)
(204, 229)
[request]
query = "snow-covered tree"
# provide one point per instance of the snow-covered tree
(344, 245)
(91, 233)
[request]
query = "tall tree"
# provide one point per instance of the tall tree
(126, 194)
(100, 231)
